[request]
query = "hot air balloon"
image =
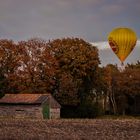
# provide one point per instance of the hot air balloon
(122, 41)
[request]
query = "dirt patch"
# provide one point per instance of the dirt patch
(71, 129)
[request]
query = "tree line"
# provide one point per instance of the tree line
(68, 68)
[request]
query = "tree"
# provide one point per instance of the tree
(123, 87)
(9, 63)
(78, 65)
(128, 88)
(38, 66)
(108, 85)
(28, 66)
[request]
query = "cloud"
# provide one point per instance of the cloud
(102, 45)
(107, 56)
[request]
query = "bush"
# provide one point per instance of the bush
(85, 110)
(1, 95)
(88, 110)
(69, 111)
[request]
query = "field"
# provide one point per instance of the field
(70, 129)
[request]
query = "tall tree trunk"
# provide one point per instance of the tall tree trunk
(112, 100)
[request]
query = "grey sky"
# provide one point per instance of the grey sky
(88, 19)
(91, 20)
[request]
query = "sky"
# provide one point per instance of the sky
(91, 20)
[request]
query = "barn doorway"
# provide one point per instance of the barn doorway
(46, 112)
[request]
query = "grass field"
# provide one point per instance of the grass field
(70, 129)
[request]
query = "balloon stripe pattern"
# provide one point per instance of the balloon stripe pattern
(122, 41)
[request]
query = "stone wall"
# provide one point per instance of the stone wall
(21, 111)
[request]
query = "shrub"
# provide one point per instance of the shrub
(88, 110)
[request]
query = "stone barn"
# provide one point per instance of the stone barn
(36, 106)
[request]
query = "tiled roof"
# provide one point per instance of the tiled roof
(29, 99)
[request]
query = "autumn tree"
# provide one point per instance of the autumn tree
(38, 66)
(122, 87)
(9, 63)
(106, 83)
(27, 66)
(128, 88)
(78, 64)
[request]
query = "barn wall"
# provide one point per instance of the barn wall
(54, 113)
(21, 111)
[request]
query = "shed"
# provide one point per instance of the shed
(37, 106)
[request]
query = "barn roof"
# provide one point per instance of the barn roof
(29, 99)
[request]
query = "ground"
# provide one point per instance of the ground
(70, 129)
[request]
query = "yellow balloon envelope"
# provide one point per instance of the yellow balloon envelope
(122, 41)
